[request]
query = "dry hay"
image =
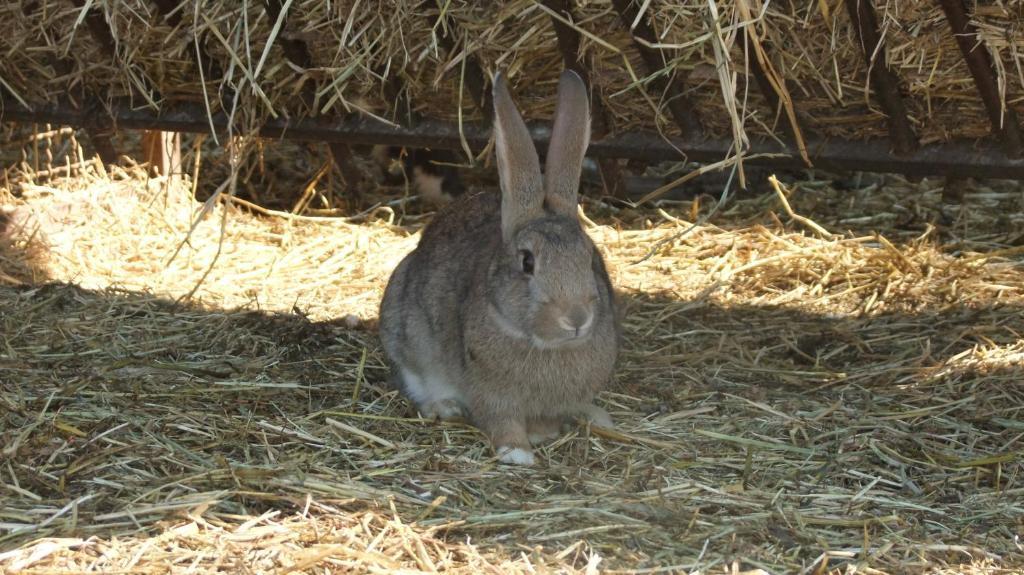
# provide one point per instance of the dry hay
(362, 51)
(785, 402)
(271, 173)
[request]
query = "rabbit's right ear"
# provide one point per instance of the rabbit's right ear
(522, 189)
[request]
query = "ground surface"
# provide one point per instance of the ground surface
(787, 401)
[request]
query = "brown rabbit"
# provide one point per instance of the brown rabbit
(504, 311)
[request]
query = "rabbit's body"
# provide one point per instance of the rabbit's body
(534, 380)
(504, 310)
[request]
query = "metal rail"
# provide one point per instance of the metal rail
(983, 159)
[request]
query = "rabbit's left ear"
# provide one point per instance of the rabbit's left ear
(570, 138)
(522, 197)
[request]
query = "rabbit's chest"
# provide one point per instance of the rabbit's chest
(546, 381)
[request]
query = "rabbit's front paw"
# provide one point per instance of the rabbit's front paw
(515, 455)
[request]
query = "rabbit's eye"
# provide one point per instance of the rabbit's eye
(527, 261)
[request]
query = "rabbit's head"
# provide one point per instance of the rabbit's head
(550, 282)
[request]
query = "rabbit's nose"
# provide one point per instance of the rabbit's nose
(578, 320)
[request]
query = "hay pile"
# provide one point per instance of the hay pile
(362, 54)
(786, 402)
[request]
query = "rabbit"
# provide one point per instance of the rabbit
(504, 312)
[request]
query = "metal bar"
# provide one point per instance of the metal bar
(679, 104)
(959, 158)
(1003, 120)
(569, 45)
(887, 90)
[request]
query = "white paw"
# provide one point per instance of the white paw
(515, 455)
(445, 410)
(598, 417)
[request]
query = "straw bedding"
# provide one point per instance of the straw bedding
(230, 55)
(788, 401)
